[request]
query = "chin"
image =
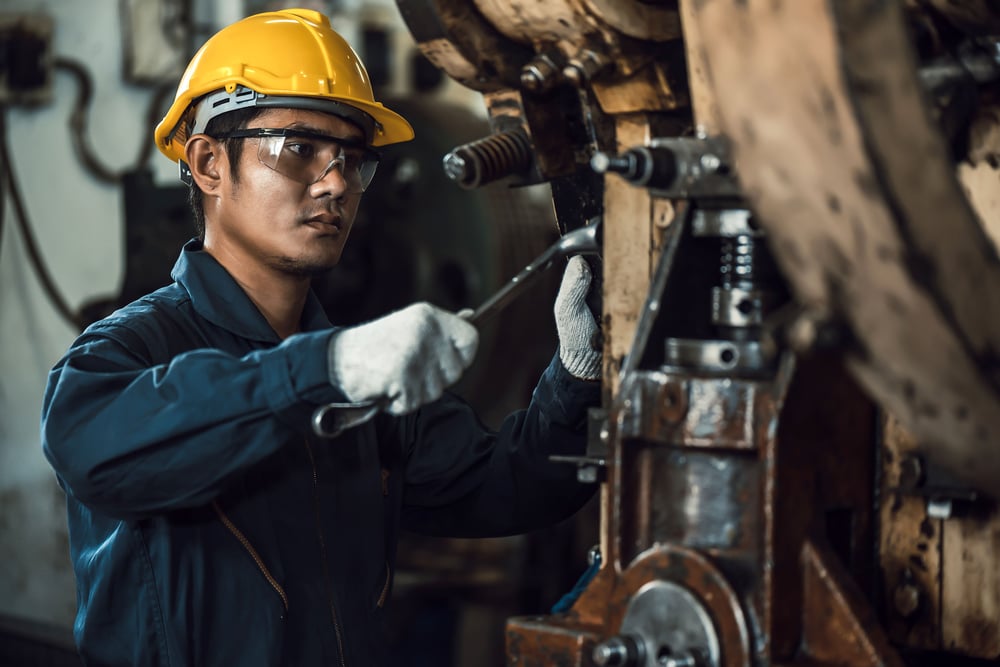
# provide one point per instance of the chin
(307, 267)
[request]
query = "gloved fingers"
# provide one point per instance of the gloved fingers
(467, 347)
(433, 387)
(450, 368)
(463, 336)
(411, 355)
(419, 392)
(401, 406)
(575, 284)
(575, 324)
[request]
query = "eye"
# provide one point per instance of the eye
(300, 148)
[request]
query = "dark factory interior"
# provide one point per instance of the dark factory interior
(788, 212)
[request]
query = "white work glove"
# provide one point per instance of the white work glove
(575, 323)
(408, 357)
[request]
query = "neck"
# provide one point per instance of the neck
(279, 296)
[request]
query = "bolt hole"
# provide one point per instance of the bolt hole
(727, 355)
(671, 397)
(745, 306)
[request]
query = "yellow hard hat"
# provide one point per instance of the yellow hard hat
(290, 58)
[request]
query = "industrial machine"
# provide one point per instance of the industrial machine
(799, 312)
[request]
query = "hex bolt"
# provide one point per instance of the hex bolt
(531, 79)
(540, 75)
(584, 66)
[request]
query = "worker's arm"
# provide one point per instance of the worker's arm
(129, 437)
(463, 480)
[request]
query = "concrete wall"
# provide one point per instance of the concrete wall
(77, 223)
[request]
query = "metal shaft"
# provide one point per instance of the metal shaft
(583, 241)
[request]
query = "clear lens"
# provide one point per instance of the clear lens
(307, 158)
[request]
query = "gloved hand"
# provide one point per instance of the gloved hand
(409, 356)
(575, 323)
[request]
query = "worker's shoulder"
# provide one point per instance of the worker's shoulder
(151, 322)
(155, 309)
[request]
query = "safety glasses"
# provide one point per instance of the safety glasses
(306, 157)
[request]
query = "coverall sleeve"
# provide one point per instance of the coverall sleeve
(130, 438)
(463, 480)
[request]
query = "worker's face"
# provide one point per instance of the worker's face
(280, 220)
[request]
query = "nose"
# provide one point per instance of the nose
(331, 181)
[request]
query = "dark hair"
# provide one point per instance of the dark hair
(227, 122)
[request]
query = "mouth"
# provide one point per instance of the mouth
(325, 222)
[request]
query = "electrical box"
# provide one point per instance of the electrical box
(25, 59)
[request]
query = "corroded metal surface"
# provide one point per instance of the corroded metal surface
(545, 641)
(839, 628)
(833, 143)
(970, 600)
(454, 36)
(728, 487)
(980, 171)
(695, 412)
(570, 20)
(909, 546)
(698, 574)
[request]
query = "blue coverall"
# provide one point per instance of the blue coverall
(209, 527)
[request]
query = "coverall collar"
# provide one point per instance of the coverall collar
(219, 299)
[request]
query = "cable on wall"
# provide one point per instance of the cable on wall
(79, 119)
(21, 217)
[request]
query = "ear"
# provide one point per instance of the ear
(204, 157)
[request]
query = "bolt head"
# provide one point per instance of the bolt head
(531, 79)
(710, 163)
(454, 166)
(575, 75)
(600, 162)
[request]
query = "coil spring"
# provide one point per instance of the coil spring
(736, 261)
(485, 160)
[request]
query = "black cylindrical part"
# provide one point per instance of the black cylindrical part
(644, 166)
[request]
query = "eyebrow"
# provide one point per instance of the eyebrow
(301, 125)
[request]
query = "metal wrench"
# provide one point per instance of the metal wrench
(332, 419)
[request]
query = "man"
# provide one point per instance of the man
(208, 526)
